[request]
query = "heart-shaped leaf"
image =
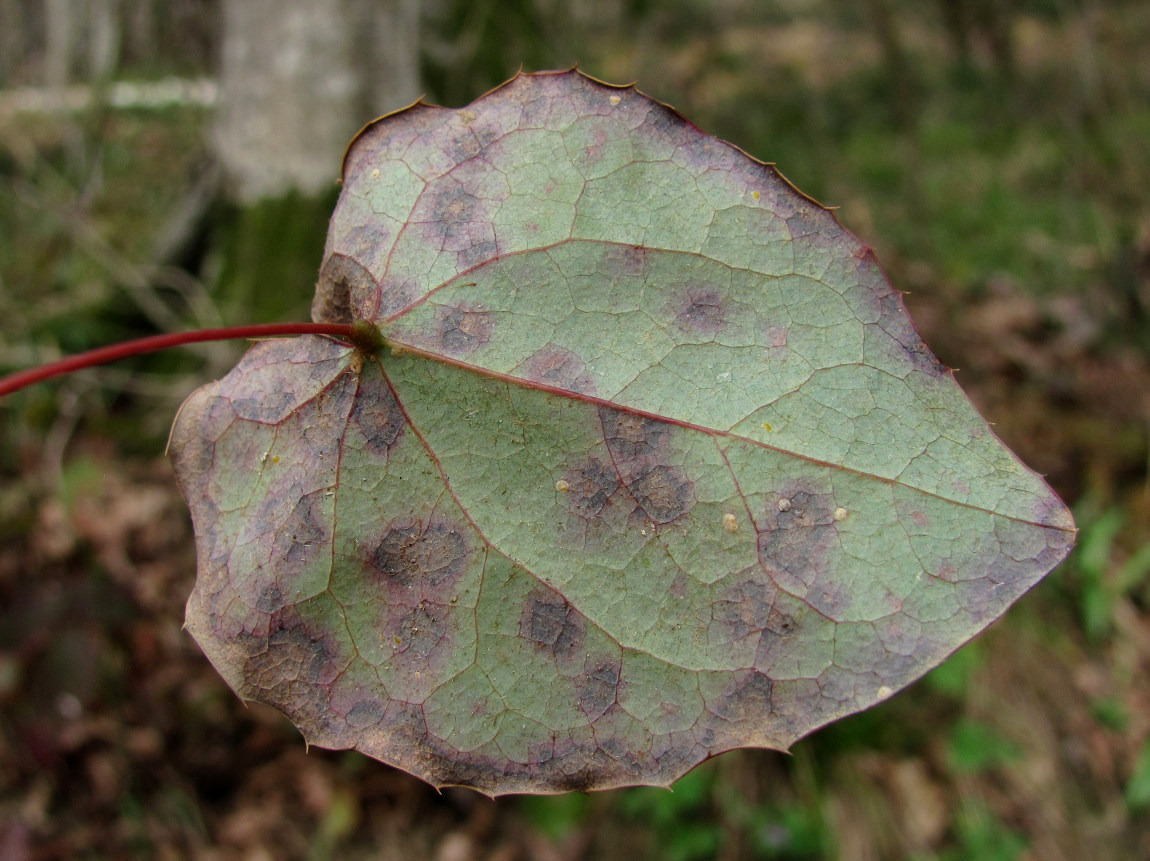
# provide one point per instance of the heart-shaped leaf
(656, 465)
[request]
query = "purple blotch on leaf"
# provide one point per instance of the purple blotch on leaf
(630, 436)
(895, 323)
(291, 670)
(341, 280)
(749, 701)
(377, 414)
(590, 485)
(701, 311)
(559, 367)
(409, 554)
(663, 492)
(364, 714)
(552, 624)
(797, 536)
(597, 689)
(302, 534)
(460, 330)
(454, 209)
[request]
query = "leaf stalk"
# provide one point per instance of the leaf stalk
(356, 334)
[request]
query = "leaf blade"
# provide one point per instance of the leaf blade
(661, 472)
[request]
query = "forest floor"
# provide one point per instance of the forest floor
(1010, 203)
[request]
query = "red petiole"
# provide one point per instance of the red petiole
(351, 333)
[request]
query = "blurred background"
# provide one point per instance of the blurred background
(172, 165)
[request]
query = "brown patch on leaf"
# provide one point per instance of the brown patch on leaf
(631, 437)
(377, 414)
(559, 367)
(291, 670)
(342, 281)
(799, 529)
(598, 689)
(409, 554)
(299, 539)
(460, 331)
(552, 624)
(701, 311)
(663, 492)
(590, 485)
(453, 211)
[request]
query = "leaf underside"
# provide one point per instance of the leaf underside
(658, 466)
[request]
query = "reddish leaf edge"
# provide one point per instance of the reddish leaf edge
(361, 334)
(422, 102)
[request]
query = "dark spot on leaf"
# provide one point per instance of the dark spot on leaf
(377, 414)
(364, 714)
(711, 154)
(558, 367)
(270, 598)
(423, 629)
(630, 436)
(405, 723)
(303, 533)
(410, 554)
(464, 146)
(461, 331)
(664, 121)
(552, 624)
(291, 671)
(589, 486)
(744, 605)
(396, 293)
(475, 253)
(663, 492)
(453, 211)
(471, 142)
(701, 311)
(625, 260)
(597, 689)
(796, 539)
(580, 781)
(269, 408)
(808, 218)
(341, 281)
(392, 556)
(749, 701)
(781, 624)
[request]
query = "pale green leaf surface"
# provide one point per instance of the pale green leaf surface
(658, 466)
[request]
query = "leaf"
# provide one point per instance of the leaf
(655, 466)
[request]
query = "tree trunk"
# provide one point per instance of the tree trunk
(59, 40)
(299, 77)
